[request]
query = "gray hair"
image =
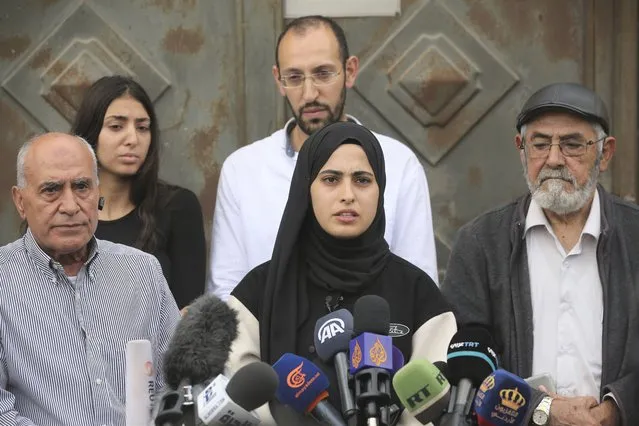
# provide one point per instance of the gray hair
(599, 131)
(21, 180)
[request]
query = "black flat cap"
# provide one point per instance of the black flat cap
(566, 97)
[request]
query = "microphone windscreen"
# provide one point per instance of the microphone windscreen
(471, 355)
(443, 367)
(371, 315)
(253, 385)
(201, 342)
(333, 332)
(422, 389)
(301, 383)
(502, 399)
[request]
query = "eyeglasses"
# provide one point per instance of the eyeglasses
(569, 147)
(320, 78)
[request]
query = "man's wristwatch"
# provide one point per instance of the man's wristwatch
(541, 415)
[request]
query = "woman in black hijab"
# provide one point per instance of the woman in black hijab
(330, 250)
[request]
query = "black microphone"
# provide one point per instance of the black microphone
(471, 358)
(197, 353)
(231, 402)
(371, 353)
(333, 333)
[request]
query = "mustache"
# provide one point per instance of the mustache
(313, 105)
(561, 173)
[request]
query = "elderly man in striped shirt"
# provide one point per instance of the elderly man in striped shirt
(69, 302)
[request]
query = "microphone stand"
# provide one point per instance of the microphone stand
(372, 392)
(177, 408)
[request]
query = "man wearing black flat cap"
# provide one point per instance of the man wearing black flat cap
(554, 275)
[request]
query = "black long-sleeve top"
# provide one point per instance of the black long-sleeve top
(182, 247)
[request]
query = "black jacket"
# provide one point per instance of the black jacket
(487, 282)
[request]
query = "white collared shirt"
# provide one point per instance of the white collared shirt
(253, 191)
(567, 302)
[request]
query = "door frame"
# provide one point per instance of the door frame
(610, 68)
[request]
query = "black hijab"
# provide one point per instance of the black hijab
(304, 254)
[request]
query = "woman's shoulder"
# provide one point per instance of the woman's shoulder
(250, 289)
(407, 276)
(176, 197)
(399, 265)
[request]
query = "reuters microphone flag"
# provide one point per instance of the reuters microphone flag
(139, 382)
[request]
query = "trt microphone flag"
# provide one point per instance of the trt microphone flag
(370, 350)
(502, 399)
(139, 382)
(214, 406)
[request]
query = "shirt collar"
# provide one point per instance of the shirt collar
(536, 217)
(288, 128)
(44, 262)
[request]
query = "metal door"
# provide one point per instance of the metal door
(207, 71)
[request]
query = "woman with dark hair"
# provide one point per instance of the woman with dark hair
(118, 120)
(331, 243)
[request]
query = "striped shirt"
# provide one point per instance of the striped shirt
(63, 342)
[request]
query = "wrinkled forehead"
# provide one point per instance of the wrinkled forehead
(59, 162)
(559, 123)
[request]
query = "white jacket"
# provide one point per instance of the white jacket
(252, 194)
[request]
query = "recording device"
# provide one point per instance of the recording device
(502, 400)
(304, 388)
(231, 402)
(100, 203)
(371, 355)
(423, 389)
(197, 353)
(545, 379)
(471, 358)
(139, 382)
(333, 333)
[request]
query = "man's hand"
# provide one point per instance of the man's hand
(184, 310)
(606, 413)
(574, 411)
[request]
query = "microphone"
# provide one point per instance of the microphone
(502, 399)
(230, 402)
(371, 354)
(442, 367)
(304, 387)
(333, 333)
(197, 353)
(423, 389)
(398, 360)
(470, 359)
(139, 382)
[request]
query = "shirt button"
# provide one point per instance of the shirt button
(98, 381)
(311, 349)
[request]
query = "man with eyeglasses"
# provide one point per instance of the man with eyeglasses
(313, 71)
(553, 275)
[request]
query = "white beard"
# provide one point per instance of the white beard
(552, 196)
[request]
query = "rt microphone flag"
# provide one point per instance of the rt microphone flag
(422, 389)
